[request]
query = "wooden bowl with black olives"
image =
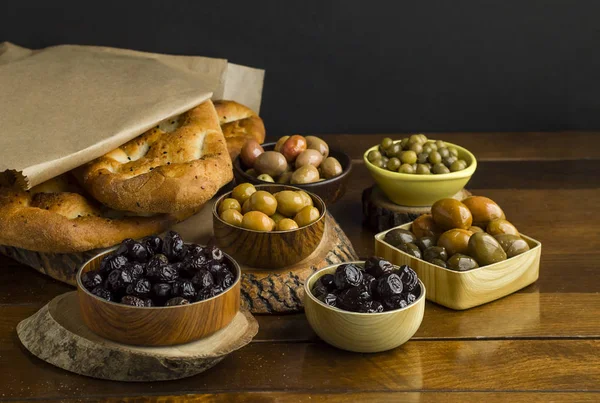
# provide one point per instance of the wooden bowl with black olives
(268, 226)
(365, 306)
(302, 161)
(158, 292)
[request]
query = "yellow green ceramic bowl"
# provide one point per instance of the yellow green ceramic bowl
(422, 190)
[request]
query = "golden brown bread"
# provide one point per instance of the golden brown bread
(163, 171)
(239, 124)
(57, 216)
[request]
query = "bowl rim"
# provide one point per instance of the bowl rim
(538, 245)
(308, 293)
(467, 172)
(311, 194)
(237, 166)
(80, 285)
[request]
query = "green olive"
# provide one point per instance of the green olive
(448, 161)
(229, 204)
(416, 147)
(378, 163)
(306, 199)
(406, 169)
(264, 202)
(373, 155)
(427, 149)
(461, 262)
(257, 221)
(411, 249)
(404, 143)
(286, 224)
(399, 236)
(422, 169)
(242, 192)
(281, 142)
(425, 242)
(385, 160)
(246, 207)
(440, 144)
(422, 157)
(443, 152)
(307, 216)
(438, 262)
(330, 168)
(233, 217)
(415, 139)
(289, 203)
(440, 169)
(501, 226)
(393, 164)
(513, 245)
(435, 252)
(458, 165)
(305, 174)
(285, 178)
(423, 138)
(408, 157)
(386, 143)
(394, 150)
(265, 178)
(435, 157)
(252, 172)
(277, 217)
(433, 146)
(453, 151)
(485, 249)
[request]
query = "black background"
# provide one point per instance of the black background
(364, 66)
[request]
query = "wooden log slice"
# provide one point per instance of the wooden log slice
(57, 335)
(380, 213)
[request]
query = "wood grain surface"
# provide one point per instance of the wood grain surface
(539, 344)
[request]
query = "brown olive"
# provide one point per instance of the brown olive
(513, 245)
(257, 221)
(330, 168)
(435, 252)
(315, 143)
(485, 249)
(265, 178)
(286, 224)
(293, 147)
(232, 217)
(411, 249)
(450, 213)
(271, 163)
(475, 228)
(277, 217)
(307, 216)
(306, 199)
(250, 151)
(425, 226)
(501, 226)
(229, 203)
(242, 192)
(264, 202)
(425, 242)
(455, 241)
(246, 207)
(280, 143)
(289, 203)
(483, 210)
(399, 236)
(305, 174)
(309, 156)
(460, 262)
(285, 178)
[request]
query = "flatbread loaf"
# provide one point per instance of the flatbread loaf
(178, 165)
(57, 216)
(239, 124)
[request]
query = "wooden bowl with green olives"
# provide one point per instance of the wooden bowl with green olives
(329, 190)
(257, 239)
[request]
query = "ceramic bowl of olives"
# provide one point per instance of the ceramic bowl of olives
(302, 161)
(268, 226)
(417, 171)
(365, 306)
(158, 291)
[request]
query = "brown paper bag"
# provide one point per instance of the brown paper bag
(63, 106)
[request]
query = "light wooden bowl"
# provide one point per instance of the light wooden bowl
(157, 326)
(269, 250)
(361, 332)
(466, 289)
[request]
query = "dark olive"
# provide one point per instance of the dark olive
(485, 249)
(399, 236)
(411, 249)
(513, 245)
(439, 262)
(425, 242)
(461, 262)
(435, 252)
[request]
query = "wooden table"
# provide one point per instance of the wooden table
(540, 344)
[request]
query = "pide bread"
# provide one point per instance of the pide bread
(239, 124)
(57, 216)
(176, 166)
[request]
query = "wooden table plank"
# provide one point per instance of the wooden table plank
(515, 365)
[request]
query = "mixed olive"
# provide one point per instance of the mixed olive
(377, 286)
(460, 235)
(160, 272)
(260, 210)
(295, 160)
(417, 155)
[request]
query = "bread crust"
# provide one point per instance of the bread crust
(163, 172)
(57, 216)
(239, 124)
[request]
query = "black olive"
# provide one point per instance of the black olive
(148, 302)
(351, 298)
(184, 288)
(329, 299)
(132, 300)
(216, 268)
(196, 250)
(173, 246)
(327, 280)
(140, 288)
(225, 279)
(319, 289)
(168, 273)
(119, 279)
(409, 277)
(370, 307)
(214, 253)
(370, 283)
(113, 262)
(194, 263)
(91, 279)
(137, 270)
(153, 244)
(156, 262)
(207, 293)
(347, 275)
(394, 302)
(162, 290)
(103, 293)
(410, 298)
(203, 279)
(138, 252)
(377, 266)
(177, 301)
(388, 285)
(124, 247)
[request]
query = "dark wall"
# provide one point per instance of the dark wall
(364, 66)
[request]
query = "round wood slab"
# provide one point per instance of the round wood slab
(57, 335)
(381, 214)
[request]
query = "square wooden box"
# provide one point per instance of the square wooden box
(464, 290)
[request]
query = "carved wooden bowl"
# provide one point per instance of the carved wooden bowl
(157, 326)
(269, 250)
(361, 332)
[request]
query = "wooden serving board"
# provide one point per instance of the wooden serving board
(381, 214)
(57, 335)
